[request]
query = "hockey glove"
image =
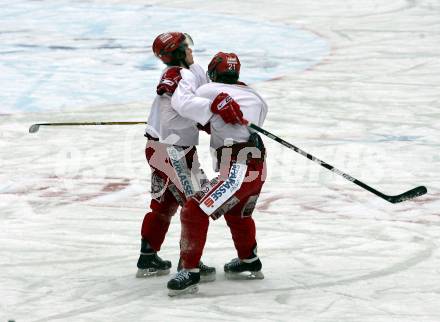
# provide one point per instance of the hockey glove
(169, 81)
(228, 109)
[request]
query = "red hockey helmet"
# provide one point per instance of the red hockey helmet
(224, 64)
(165, 44)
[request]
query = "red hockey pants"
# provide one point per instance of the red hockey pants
(225, 197)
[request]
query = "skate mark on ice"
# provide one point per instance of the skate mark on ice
(393, 269)
(142, 292)
(68, 261)
(406, 5)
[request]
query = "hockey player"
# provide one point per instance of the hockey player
(173, 179)
(227, 104)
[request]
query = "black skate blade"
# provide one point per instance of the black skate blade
(192, 289)
(151, 272)
(207, 278)
(248, 275)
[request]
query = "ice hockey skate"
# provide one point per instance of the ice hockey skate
(207, 273)
(184, 282)
(150, 264)
(249, 269)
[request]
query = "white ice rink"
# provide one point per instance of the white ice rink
(355, 83)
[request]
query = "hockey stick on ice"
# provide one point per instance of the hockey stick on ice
(35, 127)
(410, 194)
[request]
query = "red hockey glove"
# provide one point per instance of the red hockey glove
(229, 110)
(169, 81)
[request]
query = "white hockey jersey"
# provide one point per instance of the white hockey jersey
(198, 108)
(165, 123)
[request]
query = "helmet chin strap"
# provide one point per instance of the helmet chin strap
(180, 56)
(180, 61)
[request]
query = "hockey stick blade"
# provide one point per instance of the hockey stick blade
(410, 194)
(34, 128)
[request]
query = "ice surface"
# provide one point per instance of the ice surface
(60, 59)
(360, 90)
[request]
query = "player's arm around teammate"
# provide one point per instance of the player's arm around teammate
(170, 152)
(227, 104)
